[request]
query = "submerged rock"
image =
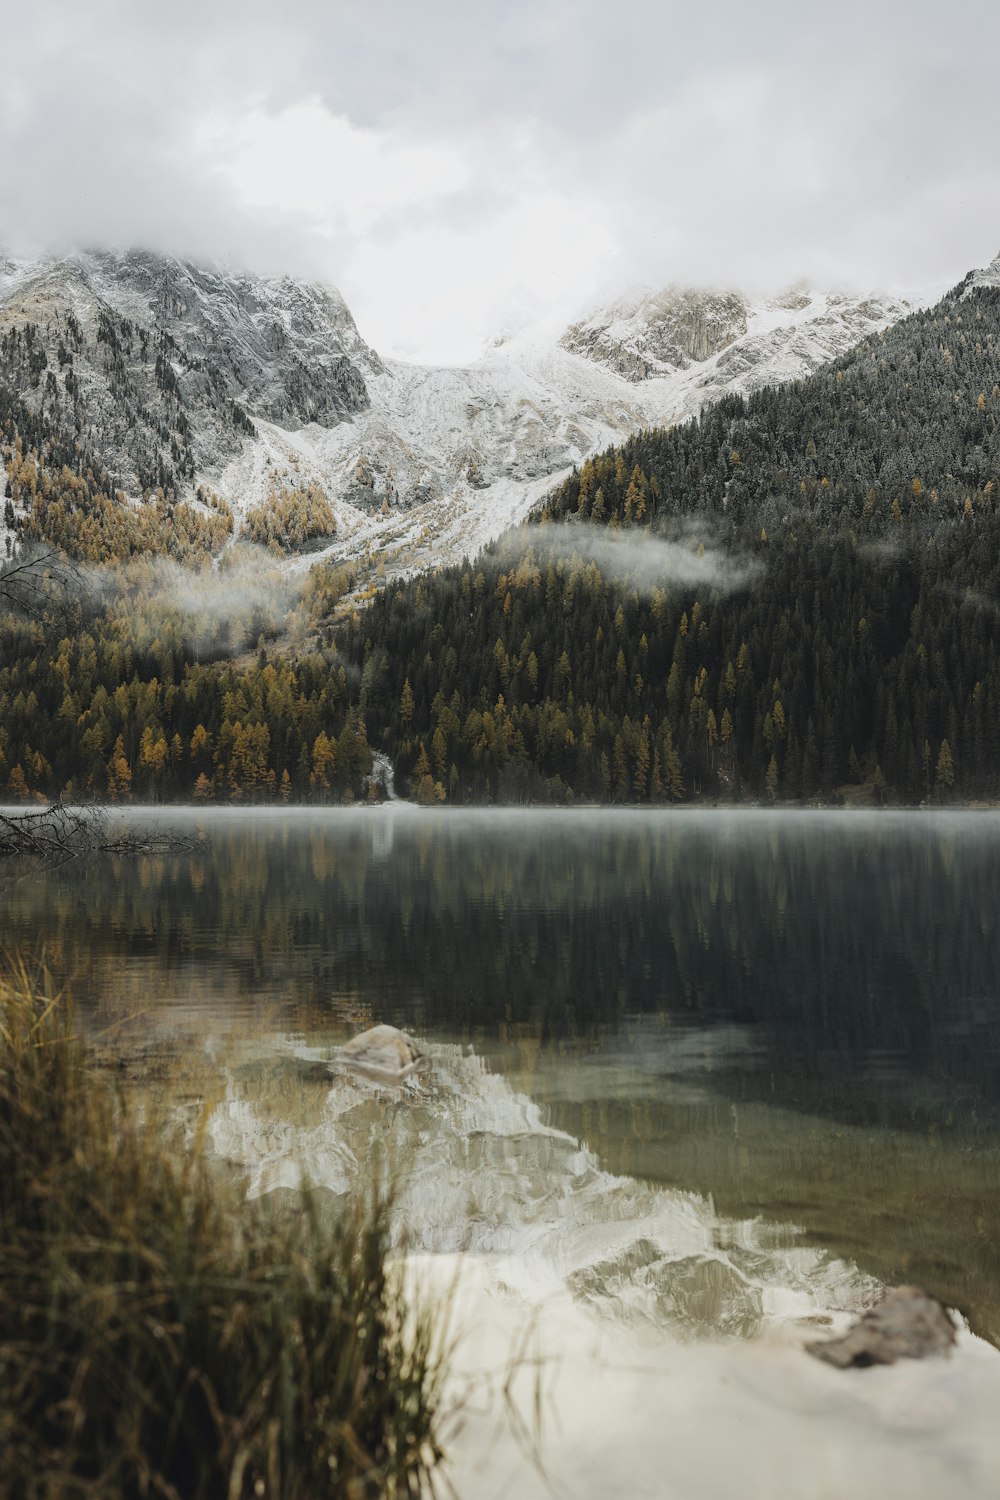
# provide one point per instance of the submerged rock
(906, 1324)
(382, 1052)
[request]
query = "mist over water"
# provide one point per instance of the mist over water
(856, 949)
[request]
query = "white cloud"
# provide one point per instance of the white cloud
(443, 162)
(305, 161)
(430, 237)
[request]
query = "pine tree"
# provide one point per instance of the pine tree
(323, 761)
(119, 774)
(944, 775)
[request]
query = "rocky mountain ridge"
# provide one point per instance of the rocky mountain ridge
(176, 375)
(989, 276)
(162, 367)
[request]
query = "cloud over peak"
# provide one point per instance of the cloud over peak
(453, 157)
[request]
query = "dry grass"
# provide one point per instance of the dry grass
(159, 1336)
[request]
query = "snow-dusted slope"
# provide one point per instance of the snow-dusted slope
(655, 333)
(989, 276)
(178, 374)
(442, 460)
(164, 367)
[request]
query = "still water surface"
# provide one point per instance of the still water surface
(701, 1083)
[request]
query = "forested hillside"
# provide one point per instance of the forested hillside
(858, 661)
(793, 597)
(904, 427)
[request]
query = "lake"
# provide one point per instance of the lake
(701, 1083)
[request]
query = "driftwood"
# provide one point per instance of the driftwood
(57, 834)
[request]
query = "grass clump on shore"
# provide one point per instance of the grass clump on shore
(161, 1337)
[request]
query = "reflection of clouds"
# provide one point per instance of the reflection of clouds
(480, 1172)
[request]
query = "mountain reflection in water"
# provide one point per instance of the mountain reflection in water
(660, 1340)
(478, 1170)
(700, 1082)
(794, 1013)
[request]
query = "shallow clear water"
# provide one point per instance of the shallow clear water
(700, 1083)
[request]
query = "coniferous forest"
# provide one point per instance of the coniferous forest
(823, 625)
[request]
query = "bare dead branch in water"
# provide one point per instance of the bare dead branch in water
(59, 833)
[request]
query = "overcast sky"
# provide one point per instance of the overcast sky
(453, 165)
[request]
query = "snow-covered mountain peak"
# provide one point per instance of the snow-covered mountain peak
(166, 367)
(176, 374)
(444, 459)
(657, 334)
(311, 316)
(989, 276)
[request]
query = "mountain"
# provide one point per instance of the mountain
(176, 376)
(988, 277)
(905, 426)
(792, 595)
(162, 367)
(734, 342)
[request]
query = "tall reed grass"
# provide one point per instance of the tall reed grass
(161, 1337)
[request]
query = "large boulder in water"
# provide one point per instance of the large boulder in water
(382, 1052)
(906, 1324)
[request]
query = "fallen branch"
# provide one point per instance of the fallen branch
(59, 833)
